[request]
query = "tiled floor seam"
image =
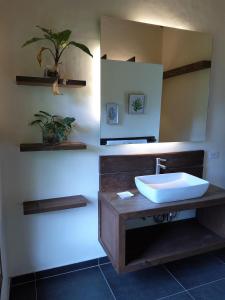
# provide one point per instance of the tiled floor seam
(63, 273)
(218, 258)
(69, 272)
(171, 295)
(198, 286)
(204, 284)
(105, 263)
(171, 274)
(22, 283)
(103, 275)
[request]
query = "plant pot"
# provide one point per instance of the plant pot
(52, 138)
(52, 71)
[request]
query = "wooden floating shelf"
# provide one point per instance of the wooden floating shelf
(46, 147)
(132, 59)
(104, 56)
(200, 65)
(48, 81)
(47, 205)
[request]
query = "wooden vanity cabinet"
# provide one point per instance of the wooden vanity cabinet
(134, 249)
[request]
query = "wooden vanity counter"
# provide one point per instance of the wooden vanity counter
(133, 249)
(140, 206)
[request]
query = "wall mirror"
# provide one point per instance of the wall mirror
(154, 83)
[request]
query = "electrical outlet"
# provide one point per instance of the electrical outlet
(214, 155)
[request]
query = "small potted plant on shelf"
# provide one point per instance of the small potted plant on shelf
(55, 129)
(60, 41)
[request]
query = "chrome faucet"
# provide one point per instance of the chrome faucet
(159, 165)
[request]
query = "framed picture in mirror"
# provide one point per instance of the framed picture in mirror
(112, 113)
(136, 104)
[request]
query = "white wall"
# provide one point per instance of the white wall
(185, 107)
(5, 283)
(122, 39)
(52, 239)
(118, 80)
(183, 47)
(3, 211)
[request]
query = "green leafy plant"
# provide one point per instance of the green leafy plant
(60, 41)
(55, 129)
(137, 105)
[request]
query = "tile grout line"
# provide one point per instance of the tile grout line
(197, 286)
(63, 273)
(104, 263)
(207, 283)
(166, 297)
(107, 263)
(219, 259)
(213, 281)
(69, 272)
(171, 274)
(22, 283)
(103, 275)
(46, 277)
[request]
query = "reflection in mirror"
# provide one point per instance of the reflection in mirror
(136, 89)
(169, 78)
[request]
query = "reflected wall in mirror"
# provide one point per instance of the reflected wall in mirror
(121, 80)
(172, 70)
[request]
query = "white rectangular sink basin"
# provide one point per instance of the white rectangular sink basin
(170, 187)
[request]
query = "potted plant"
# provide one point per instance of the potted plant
(55, 129)
(59, 42)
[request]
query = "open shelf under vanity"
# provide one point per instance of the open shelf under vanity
(162, 243)
(134, 249)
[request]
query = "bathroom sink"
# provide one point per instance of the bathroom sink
(171, 187)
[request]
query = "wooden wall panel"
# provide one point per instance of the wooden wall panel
(125, 163)
(120, 181)
(117, 172)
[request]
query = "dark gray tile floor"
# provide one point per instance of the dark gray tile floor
(151, 283)
(200, 277)
(25, 291)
